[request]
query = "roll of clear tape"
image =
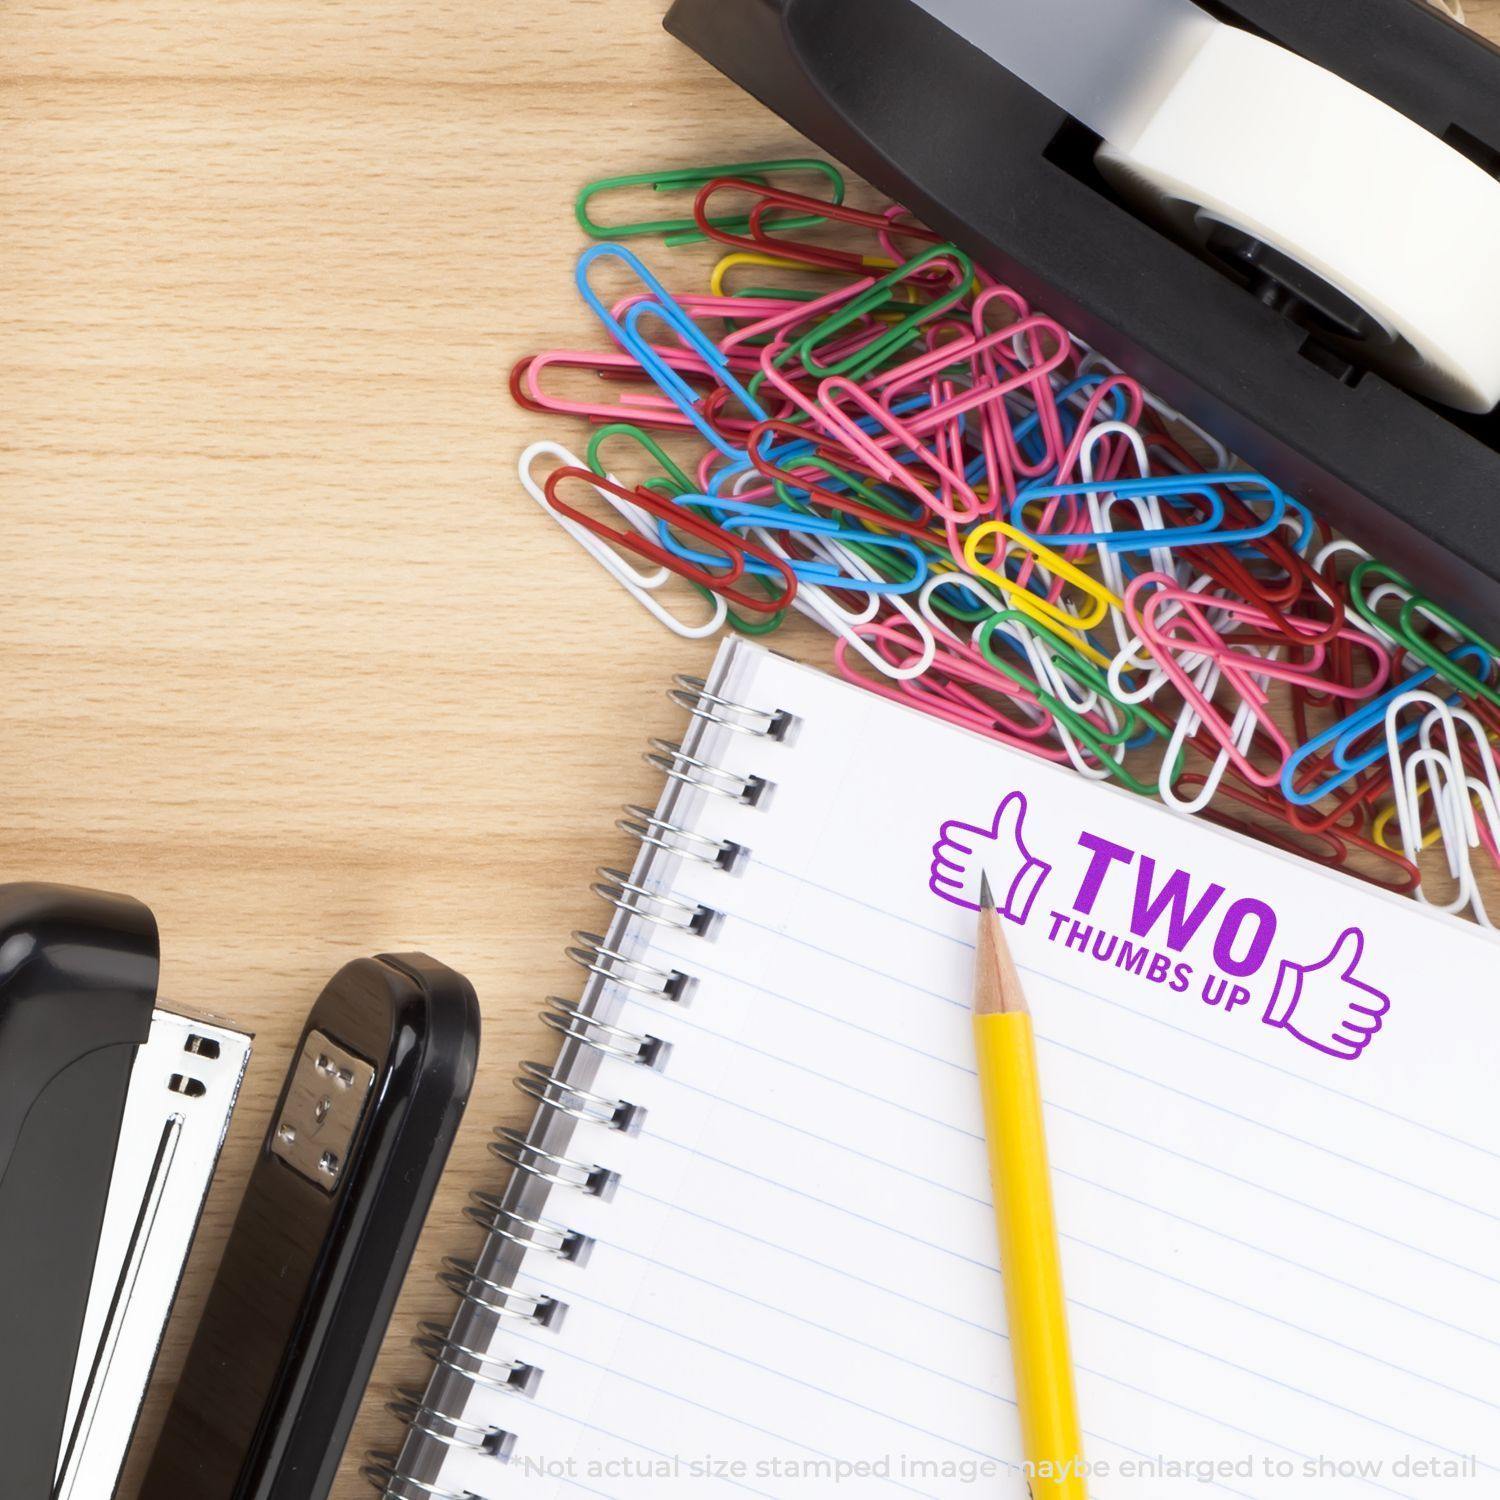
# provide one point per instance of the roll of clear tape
(1253, 137)
(1207, 126)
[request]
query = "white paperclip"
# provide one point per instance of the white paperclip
(636, 582)
(958, 580)
(815, 601)
(1451, 789)
(1101, 509)
(1222, 457)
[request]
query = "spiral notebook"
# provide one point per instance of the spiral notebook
(748, 1249)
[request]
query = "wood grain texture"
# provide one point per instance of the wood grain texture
(287, 654)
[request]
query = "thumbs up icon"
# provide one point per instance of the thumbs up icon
(965, 851)
(1325, 1005)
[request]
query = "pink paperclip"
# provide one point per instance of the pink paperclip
(948, 440)
(1068, 468)
(703, 308)
(898, 220)
(878, 459)
(637, 406)
(795, 397)
(1241, 682)
(997, 292)
(1028, 735)
(1074, 514)
(778, 326)
(940, 692)
(1194, 606)
(893, 384)
(987, 395)
(965, 663)
(996, 431)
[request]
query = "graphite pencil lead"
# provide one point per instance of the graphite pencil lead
(997, 985)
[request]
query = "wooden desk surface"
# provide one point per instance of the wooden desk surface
(287, 654)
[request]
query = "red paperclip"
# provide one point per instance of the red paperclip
(1323, 846)
(1299, 579)
(735, 548)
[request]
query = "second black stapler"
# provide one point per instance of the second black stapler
(324, 1234)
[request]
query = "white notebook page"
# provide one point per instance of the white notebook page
(1283, 1264)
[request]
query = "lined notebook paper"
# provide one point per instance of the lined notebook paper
(1271, 1109)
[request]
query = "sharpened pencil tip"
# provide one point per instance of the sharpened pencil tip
(997, 986)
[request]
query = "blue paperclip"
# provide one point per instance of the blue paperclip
(738, 515)
(1166, 488)
(628, 337)
(1347, 732)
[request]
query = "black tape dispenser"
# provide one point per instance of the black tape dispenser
(1281, 217)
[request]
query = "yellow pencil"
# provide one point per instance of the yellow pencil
(1030, 1263)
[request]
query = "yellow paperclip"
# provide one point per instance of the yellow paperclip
(1023, 604)
(779, 263)
(1053, 616)
(1383, 822)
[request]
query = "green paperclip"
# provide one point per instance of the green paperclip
(1086, 674)
(901, 333)
(883, 294)
(1405, 632)
(685, 231)
(671, 472)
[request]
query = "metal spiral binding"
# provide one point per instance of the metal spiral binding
(660, 910)
(451, 1432)
(643, 825)
(591, 952)
(692, 694)
(462, 1276)
(480, 1368)
(558, 1171)
(506, 1377)
(486, 1210)
(676, 764)
(537, 1082)
(568, 1019)
(380, 1470)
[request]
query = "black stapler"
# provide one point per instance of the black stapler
(1245, 343)
(78, 977)
(111, 1118)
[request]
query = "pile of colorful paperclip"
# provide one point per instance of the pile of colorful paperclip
(1000, 528)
